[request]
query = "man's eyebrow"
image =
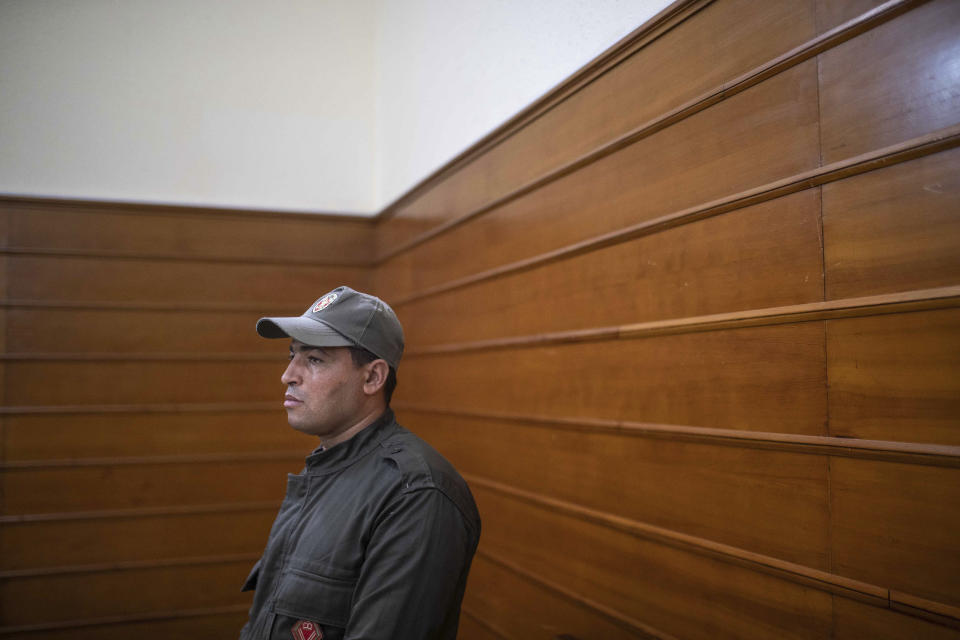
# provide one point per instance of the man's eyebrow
(303, 348)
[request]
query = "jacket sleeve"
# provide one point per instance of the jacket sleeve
(414, 572)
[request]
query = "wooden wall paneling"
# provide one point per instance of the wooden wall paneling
(763, 256)
(761, 378)
(55, 278)
(854, 620)
(119, 486)
(130, 536)
(898, 525)
(894, 229)
(683, 594)
(526, 610)
(138, 381)
(769, 502)
(765, 133)
(889, 85)
(896, 377)
(200, 623)
(711, 47)
(51, 437)
(832, 13)
(474, 626)
(70, 330)
(46, 599)
(187, 233)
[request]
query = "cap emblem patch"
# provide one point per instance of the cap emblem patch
(306, 630)
(325, 302)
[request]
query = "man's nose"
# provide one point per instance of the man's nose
(290, 375)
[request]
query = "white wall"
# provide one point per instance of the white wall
(452, 71)
(315, 105)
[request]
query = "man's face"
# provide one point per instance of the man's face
(324, 390)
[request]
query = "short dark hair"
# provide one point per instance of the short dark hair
(361, 357)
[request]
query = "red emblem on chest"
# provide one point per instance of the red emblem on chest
(306, 630)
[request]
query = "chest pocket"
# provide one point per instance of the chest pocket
(313, 598)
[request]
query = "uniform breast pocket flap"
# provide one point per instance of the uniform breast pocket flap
(309, 596)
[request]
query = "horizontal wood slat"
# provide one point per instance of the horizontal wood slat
(55, 330)
(34, 490)
(862, 108)
(766, 255)
(897, 525)
(68, 597)
(920, 147)
(134, 565)
(784, 62)
(649, 581)
(131, 382)
(140, 512)
(744, 137)
(616, 617)
(836, 584)
(203, 459)
(144, 535)
(162, 307)
(698, 489)
(475, 625)
(931, 299)
(52, 436)
(192, 407)
(894, 229)
(151, 622)
(854, 621)
(528, 611)
(172, 257)
(80, 280)
(769, 378)
(896, 377)
(936, 455)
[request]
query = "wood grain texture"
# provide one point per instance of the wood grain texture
(528, 610)
(896, 377)
(64, 330)
(889, 85)
(184, 623)
(765, 133)
(151, 281)
(70, 597)
(133, 382)
(32, 545)
(765, 378)
(771, 503)
(713, 46)
(831, 13)
(898, 525)
(647, 580)
(854, 620)
(40, 437)
(904, 452)
(894, 229)
(143, 485)
(185, 233)
(766, 255)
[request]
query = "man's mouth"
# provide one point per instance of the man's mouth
(290, 401)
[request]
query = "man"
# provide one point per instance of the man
(375, 536)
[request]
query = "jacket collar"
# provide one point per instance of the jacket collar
(323, 461)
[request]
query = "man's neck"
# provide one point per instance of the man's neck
(366, 419)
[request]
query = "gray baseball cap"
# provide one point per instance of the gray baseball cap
(343, 318)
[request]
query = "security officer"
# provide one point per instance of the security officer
(375, 536)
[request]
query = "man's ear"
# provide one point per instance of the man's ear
(376, 377)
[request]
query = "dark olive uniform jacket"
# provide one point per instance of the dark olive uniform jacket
(373, 540)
